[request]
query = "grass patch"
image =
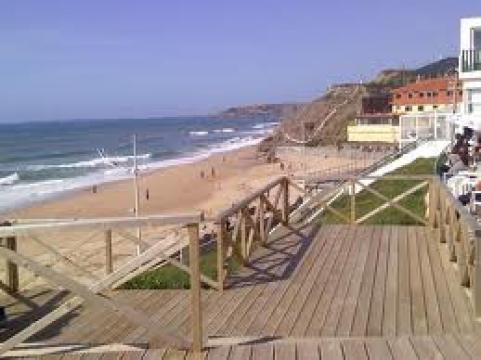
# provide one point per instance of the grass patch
(366, 202)
(171, 277)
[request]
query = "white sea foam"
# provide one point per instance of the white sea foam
(224, 130)
(265, 125)
(97, 162)
(9, 180)
(198, 133)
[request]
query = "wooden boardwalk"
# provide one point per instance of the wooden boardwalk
(358, 291)
(439, 347)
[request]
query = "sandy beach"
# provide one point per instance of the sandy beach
(227, 178)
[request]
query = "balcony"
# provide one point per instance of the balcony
(470, 60)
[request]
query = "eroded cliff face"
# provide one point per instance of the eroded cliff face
(321, 122)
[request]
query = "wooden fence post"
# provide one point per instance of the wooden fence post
(285, 207)
(221, 233)
(353, 202)
(432, 203)
(194, 262)
(262, 221)
(243, 235)
(476, 281)
(109, 265)
(12, 278)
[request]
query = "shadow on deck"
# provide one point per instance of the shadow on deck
(333, 281)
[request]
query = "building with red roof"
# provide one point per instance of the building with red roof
(427, 95)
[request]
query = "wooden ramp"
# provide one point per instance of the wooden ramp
(353, 290)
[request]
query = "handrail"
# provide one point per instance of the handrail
(250, 198)
(95, 293)
(100, 223)
(462, 211)
(241, 227)
(461, 232)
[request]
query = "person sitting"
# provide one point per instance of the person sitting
(465, 199)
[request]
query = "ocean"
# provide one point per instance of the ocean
(40, 160)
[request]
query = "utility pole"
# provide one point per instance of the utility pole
(136, 192)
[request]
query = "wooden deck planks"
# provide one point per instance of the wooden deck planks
(365, 348)
(361, 243)
(297, 306)
(320, 313)
(390, 307)
(328, 259)
(374, 326)
(354, 349)
(293, 287)
(389, 283)
(401, 348)
(378, 349)
(350, 302)
(256, 327)
(404, 294)
(426, 348)
(462, 309)
(433, 312)
(419, 322)
(359, 325)
(444, 298)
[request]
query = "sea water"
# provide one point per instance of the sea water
(39, 160)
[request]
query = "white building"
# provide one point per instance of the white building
(470, 72)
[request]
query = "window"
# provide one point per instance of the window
(435, 107)
(429, 94)
(460, 92)
(474, 101)
(408, 108)
(449, 93)
(435, 93)
(421, 94)
(398, 96)
(410, 95)
(420, 108)
(477, 39)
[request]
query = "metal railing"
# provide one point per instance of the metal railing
(470, 60)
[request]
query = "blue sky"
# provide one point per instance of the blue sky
(135, 58)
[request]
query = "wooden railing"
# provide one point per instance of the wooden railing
(461, 233)
(451, 222)
(96, 292)
(248, 223)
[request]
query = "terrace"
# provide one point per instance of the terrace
(320, 280)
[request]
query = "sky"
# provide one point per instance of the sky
(87, 59)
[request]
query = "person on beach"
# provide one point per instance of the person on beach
(147, 194)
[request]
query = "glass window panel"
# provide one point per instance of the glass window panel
(477, 39)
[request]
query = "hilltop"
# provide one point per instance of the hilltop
(268, 110)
